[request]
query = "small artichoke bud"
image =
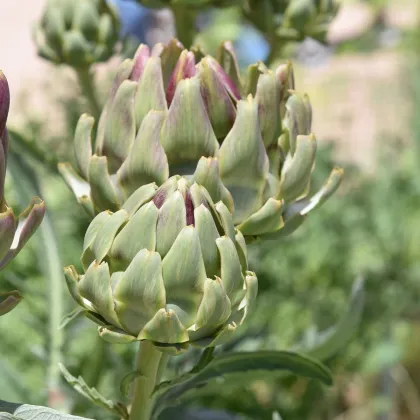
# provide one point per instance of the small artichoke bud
(168, 267)
(77, 32)
(172, 111)
(14, 233)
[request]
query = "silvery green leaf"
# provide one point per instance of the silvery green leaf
(92, 394)
(11, 411)
(241, 363)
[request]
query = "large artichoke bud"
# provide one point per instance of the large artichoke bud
(13, 235)
(168, 267)
(173, 111)
(77, 32)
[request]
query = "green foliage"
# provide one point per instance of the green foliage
(242, 365)
(356, 235)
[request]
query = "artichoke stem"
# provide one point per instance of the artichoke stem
(185, 24)
(162, 367)
(147, 366)
(88, 90)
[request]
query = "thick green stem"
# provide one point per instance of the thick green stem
(185, 24)
(147, 366)
(88, 90)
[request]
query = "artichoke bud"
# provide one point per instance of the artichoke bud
(171, 111)
(77, 32)
(14, 231)
(168, 267)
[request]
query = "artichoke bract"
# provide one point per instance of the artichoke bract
(173, 111)
(77, 32)
(14, 233)
(168, 267)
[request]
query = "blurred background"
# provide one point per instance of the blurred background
(364, 85)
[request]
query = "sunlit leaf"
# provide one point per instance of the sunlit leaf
(10, 411)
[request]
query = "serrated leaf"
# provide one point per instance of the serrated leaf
(329, 342)
(92, 394)
(11, 411)
(242, 363)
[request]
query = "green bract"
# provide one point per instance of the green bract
(13, 234)
(173, 111)
(168, 267)
(77, 32)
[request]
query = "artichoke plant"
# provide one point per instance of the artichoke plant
(168, 267)
(77, 32)
(173, 111)
(13, 235)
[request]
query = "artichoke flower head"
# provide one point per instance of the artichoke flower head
(168, 267)
(170, 111)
